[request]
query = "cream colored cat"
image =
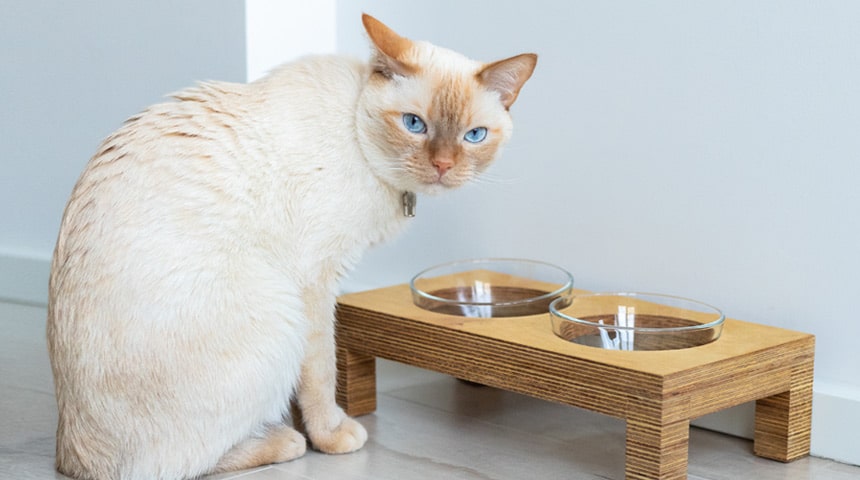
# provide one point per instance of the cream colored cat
(193, 284)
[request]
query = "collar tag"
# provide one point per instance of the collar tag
(409, 201)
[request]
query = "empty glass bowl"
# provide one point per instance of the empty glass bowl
(635, 321)
(490, 287)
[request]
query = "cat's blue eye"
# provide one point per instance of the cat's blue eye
(413, 123)
(476, 135)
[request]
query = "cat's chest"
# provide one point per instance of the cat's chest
(368, 215)
(337, 214)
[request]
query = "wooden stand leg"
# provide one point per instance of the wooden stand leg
(783, 423)
(657, 451)
(356, 382)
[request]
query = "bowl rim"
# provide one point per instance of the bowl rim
(567, 286)
(556, 313)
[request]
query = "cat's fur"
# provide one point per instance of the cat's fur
(193, 283)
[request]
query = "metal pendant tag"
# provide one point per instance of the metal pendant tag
(409, 200)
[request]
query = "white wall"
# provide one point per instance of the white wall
(72, 73)
(705, 149)
(277, 31)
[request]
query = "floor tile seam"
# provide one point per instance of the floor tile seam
(249, 473)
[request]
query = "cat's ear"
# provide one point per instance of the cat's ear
(506, 77)
(391, 48)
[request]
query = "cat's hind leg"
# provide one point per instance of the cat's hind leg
(279, 444)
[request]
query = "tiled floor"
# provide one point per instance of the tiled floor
(427, 426)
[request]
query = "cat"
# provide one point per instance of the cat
(195, 274)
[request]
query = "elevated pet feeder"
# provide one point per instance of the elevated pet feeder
(657, 392)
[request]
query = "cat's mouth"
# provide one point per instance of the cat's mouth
(431, 181)
(429, 187)
(442, 182)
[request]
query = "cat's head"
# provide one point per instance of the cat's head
(431, 119)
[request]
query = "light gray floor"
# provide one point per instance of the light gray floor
(427, 426)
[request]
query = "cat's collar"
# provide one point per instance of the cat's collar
(409, 200)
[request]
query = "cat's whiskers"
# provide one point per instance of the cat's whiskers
(493, 179)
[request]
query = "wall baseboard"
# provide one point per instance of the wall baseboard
(835, 422)
(835, 407)
(24, 279)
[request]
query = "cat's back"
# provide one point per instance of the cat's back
(318, 80)
(206, 185)
(215, 153)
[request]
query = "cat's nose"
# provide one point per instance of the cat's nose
(443, 164)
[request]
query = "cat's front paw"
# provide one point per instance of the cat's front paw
(348, 436)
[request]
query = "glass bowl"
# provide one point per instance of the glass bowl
(635, 321)
(490, 287)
